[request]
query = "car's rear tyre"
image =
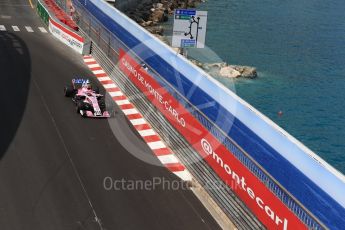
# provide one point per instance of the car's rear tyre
(96, 90)
(69, 91)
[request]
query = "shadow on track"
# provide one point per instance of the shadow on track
(15, 67)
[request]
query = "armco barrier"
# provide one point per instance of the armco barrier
(211, 150)
(61, 32)
(307, 186)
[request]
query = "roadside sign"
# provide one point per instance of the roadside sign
(189, 28)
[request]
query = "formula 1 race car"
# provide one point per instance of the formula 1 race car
(88, 101)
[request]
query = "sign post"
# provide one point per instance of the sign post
(189, 29)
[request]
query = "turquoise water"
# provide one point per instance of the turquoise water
(298, 47)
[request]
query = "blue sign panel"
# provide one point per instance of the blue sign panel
(187, 43)
(186, 12)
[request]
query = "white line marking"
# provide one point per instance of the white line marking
(116, 94)
(2, 28)
(168, 159)
(108, 86)
(6, 17)
(123, 102)
(29, 29)
(130, 111)
(98, 71)
(15, 28)
(156, 145)
(42, 29)
(103, 79)
(139, 121)
(184, 175)
(93, 65)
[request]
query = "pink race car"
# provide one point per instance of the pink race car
(88, 101)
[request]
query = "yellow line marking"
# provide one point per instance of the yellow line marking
(32, 6)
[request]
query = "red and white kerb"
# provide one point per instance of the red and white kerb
(155, 143)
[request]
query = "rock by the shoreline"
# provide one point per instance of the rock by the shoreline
(156, 30)
(158, 15)
(224, 70)
(195, 62)
(158, 5)
(217, 65)
(235, 71)
(229, 72)
(246, 71)
(146, 24)
(153, 10)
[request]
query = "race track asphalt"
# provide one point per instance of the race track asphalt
(53, 162)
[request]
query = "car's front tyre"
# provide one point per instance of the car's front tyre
(81, 108)
(69, 91)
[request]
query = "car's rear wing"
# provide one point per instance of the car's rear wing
(79, 82)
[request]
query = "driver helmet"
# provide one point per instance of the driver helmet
(88, 86)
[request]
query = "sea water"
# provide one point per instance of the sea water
(298, 48)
